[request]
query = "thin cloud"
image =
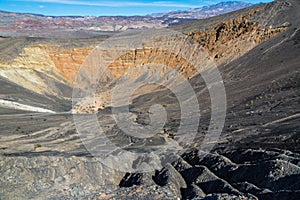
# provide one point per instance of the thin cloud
(116, 4)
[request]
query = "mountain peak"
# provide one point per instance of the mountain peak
(205, 11)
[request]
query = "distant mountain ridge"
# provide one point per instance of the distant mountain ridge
(205, 11)
(27, 24)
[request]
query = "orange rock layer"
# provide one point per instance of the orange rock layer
(68, 61)
(224, 42)
(230, 40)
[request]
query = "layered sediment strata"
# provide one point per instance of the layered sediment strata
(229, 40)
(224, 42)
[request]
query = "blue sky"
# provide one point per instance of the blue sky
(103, 7)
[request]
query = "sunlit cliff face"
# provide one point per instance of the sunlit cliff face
(224, 42)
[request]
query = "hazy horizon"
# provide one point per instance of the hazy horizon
(104, 8)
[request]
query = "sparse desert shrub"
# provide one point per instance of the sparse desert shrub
(37, 146)
(239, 127)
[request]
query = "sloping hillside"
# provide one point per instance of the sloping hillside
(256, 157)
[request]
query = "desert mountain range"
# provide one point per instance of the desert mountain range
(87, 26)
